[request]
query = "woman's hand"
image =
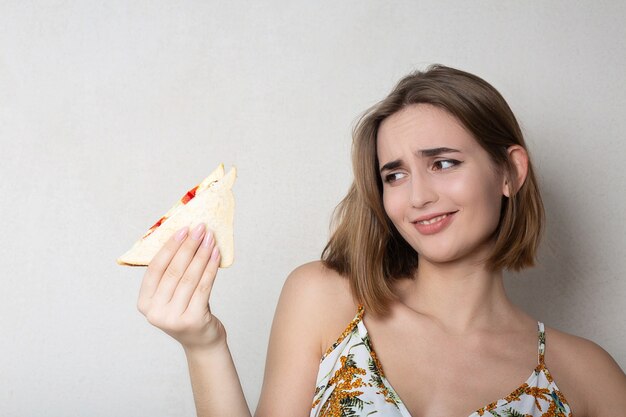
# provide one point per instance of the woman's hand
(174, 294)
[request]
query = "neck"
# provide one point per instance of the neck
(460, 298)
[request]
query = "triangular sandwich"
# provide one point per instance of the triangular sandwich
(211, 202)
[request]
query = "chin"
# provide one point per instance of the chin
(446, 255)
(443, 260)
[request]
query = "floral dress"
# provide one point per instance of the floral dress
(351, 383)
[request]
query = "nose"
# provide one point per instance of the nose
(422, 191)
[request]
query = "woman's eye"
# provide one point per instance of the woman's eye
(445, 164)
(389, 178)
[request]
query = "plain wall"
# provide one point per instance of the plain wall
(110, 110)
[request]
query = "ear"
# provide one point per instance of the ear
(519, 159)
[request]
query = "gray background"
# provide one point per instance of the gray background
(110, 110)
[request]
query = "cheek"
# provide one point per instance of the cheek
(490, 200)
(496, 204)
(481, 193)
(392, 201)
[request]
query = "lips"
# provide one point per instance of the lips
(433, 220)
(433, 223)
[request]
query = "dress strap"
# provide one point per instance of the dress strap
(541, 343)
(349, 329)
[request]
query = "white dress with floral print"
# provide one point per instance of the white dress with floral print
(351, 382)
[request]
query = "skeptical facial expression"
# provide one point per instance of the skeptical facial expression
(441, 189)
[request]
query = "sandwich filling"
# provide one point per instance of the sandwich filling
(184, 200)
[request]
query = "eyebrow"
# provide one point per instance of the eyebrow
(425, 153)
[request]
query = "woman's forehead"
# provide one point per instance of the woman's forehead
(420, 127)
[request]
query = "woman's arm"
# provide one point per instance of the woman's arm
(215, 384)
(311, 306)
(310, 303)
(174, 297)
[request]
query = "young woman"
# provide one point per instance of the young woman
(406, 313)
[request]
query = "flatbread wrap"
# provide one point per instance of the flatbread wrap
(211, 202)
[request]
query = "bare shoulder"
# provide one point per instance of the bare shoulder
(322, 298)
(318, 281)
(314, 304)
(591, 380)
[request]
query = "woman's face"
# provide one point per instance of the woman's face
(440, 188)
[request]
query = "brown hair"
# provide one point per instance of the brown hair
(365, 245)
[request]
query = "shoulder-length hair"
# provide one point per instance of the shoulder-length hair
(365, 245)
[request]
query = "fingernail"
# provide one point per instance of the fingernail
(215, 253)
(198, 231)
(208, 238)
(180, 235)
